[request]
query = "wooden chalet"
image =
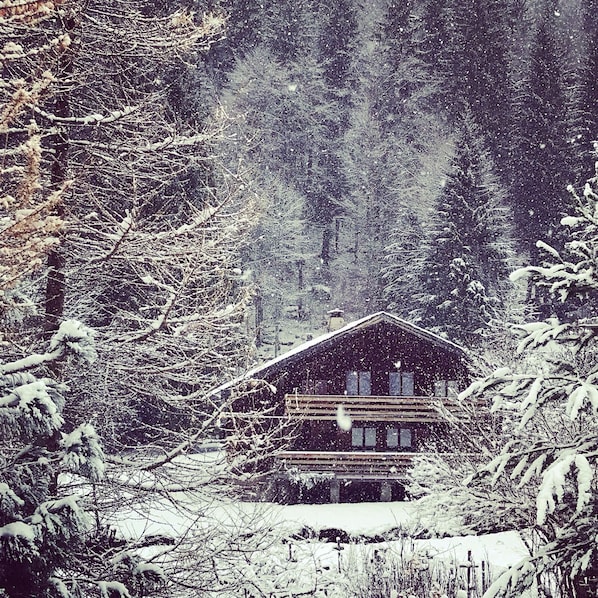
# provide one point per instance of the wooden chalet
(365, 399)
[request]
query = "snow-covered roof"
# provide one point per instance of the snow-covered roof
(348, 329)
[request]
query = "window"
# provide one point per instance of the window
(370, 437)
(315, 387)
(363, 437)
(406, 438)
(359, 383)
(401, 384)
(399, 437)
(446, 388)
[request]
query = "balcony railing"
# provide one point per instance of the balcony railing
(376, 408)
(349, 465)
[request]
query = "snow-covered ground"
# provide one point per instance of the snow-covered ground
(381, 530)
(367, 531)
(378, 519)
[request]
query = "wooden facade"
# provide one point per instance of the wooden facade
(366, 398)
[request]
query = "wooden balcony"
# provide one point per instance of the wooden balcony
(375, 408)
(349, 465)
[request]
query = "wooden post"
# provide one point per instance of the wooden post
(469, 566)
(340, 549)
(483, 576)
(385, 491)
(335, 491)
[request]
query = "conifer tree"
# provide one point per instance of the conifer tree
(468, 247)
(393, 131)
(540, 153)
(475, 64)
(551, 407)
(45, 534)
(336, 45)
(582, 109)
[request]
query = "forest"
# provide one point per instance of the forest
(189, 186)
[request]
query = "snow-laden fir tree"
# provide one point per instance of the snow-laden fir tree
(544, 470)
(467, 250)
(46, 536)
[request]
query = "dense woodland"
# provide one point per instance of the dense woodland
(404, 155)
(186, 189)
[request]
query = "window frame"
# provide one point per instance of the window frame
(361, 437)
(402, 381)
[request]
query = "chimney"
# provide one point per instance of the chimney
(335, 319)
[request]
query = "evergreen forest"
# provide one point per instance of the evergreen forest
(404, 156)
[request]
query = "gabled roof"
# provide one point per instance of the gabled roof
(330, 338)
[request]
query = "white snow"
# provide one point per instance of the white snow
(144, 568)
(578, 398)
(343, 419)
(17, 529)
(109, 588)
(553, 484)
(585, 476)
(499, 550)
(6, 494)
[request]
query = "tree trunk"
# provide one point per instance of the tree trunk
(59, 145)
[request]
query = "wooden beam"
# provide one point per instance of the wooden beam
(377, 408)
(350, 465)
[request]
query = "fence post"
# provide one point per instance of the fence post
(483, 576)
(469, 566)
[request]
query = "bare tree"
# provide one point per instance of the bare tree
(142, 230)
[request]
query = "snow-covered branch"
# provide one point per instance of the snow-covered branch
(72, 336)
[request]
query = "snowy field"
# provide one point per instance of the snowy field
(308, 555)
(379, 519)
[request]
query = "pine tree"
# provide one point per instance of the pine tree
(475, 62)
(44, 529)
(336, 45)
(540, 153)
(412, 95)
(468, 248)
(286, 124)
(392, 133)
(582, 109)
(291, 32)
(552, 405)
